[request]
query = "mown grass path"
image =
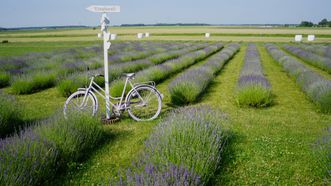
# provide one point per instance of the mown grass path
(272, 145)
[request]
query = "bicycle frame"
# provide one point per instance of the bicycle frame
(95, 88)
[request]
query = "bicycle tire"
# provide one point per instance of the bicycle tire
(79, 108)
(135, 100)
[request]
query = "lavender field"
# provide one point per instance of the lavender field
(233, 114)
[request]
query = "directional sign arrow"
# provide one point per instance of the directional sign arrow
(104, 9)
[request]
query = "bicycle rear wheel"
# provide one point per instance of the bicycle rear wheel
(75, 104)
(144, 103)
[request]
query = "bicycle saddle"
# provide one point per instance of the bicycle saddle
(129, 75)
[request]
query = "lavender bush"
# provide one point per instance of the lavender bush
(10, 115)
(27, 159)
(34, 156)
(73, 137)
(311, 58)
(313, 84)
(184, 149)
(253, 88)
(33, 83)
(190, 85)
(191, 137)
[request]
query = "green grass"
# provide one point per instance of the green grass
(19, 48)
(39, 105)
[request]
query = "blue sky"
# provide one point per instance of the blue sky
(21, 13)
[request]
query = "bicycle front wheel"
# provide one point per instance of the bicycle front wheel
(144, 103)
(78, 103)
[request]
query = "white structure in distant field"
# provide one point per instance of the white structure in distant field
(207, 35)
(311, 38)
(140, 35)
(147, 34)
(298, 38)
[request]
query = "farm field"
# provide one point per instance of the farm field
(247, 34)
(267, 107)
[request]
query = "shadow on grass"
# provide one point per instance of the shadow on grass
(77, 168)
(228, 158)
(22, 125)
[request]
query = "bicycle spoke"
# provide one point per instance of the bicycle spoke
(145, 105)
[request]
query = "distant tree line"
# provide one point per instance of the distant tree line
(45, 27)
(322, 23)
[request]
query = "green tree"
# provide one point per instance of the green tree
(324, 22)
(306, 24)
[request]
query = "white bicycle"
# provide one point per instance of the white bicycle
(143, 102)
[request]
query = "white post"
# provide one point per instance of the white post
(106, 44)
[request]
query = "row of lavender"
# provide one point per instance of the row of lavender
(314, 85)
(144, 50)
(67, 61)
(190, 85)
(160, 72)
(253, 88)
(322, 50)
(311, 58)
(184, 149)
(35, 155)
(70, 84)
(45, 72)
(13, 68)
